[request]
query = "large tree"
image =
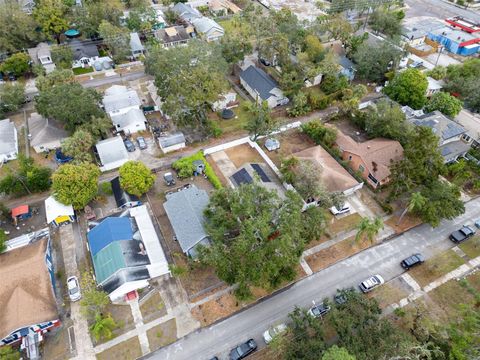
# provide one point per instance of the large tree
(56, 77)
(136, 178)
(62, 56)
(26, 179)
(69, 103)
(445, 103)
(256, 238)
(408, 87)
(337, 353)
(260, 122)
(18, 64)
(386, 22)
(188, 79)
(75, 185)
(79, 146)
(89, 16)
(51, 16)
(235, 47)
(373, 61)
(12, 96)
(117, 39)
(462, 80)
(17, 29)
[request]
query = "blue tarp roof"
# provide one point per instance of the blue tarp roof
(109, 230)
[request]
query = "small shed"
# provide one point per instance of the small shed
(272, 144)
(57, 213)
(172, 142)
(21, 212)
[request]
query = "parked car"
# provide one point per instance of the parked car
(265, 62)
(343, 209)
(462, 234)
(73, 288)
(477, 224)
(243, 350)
(274, 331)
(416, 64)
(129, 145)
(142, 144)
(169, 180)
(371, 283)
(319, 310)
(411, 261)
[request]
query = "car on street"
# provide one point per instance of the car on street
(340, 209)
(243, 350)
(73, 288)
(462, 234)
(274, 331)
(319, 310)
(129, 145)
(371, 283)
(142, 144)
(411, 261)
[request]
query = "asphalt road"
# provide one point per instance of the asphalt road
(439, 9)
(134, 75)
(383, 259)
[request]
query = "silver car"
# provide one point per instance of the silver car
(73, 288)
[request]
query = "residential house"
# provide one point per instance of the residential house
(186, 12)
(112, 153)
(333, 175)
(434, 86)
(85, 53)
(8, 141)
(456, 41)
(225, 101)
(26, 6)
(130, 122)
(44, 134)
(57, 213)
(184, 209)
(172, 142)
(411, 113)
(223, 7)
(262, 87)
(119, 99)
(126, 252)
(174, 35)
(28, 300)
(471, 122)
(122, 198)
(136, 45)
(454, 142)
(372, 158)
(208, 29)
(346, 66)
(43, 56)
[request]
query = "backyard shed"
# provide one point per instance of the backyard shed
(58, 213)
(172, 142)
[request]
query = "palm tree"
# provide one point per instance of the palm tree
(416, 203)
(368, 228)
(103, 326)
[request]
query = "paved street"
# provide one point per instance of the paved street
(134, 75)
(439, 9)
(383, 259)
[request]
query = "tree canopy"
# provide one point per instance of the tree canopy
(16, 28)
(445, 103)
(117, 39)
(260, 122)
(373, 61)
(12, 96)
(75, 185)
(79, 146)
(51, 16)
(26, 179)
(463, 80)
(386, 22)
(408, 87)
(18, 64)
(136, 178)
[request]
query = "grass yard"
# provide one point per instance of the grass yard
(407, 223)
(325, 258)
(436, 267)
(81, 71)
(389, 293)
(343, 224)
(236, 26)
(237, 124)
(123, 317)
(162, 334)
(471, 247)
(127, 350)
(291, 142)
(153, 307)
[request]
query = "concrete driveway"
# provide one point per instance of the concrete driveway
(383, 259)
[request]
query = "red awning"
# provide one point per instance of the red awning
(20, 210)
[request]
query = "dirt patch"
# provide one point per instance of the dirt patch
(122, 314)
(471, 247)
(153, 307)
(127, 350)
(57, 345)
(436, 267)
(242, 154)
(389, 293)
(325, 258)
(367, 198)
(342, 224)
(162, 335)
(217, 171)
(291, 142)
(407, 223)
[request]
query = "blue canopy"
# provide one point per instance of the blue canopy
(72, 33)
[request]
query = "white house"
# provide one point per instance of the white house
(8, 141)
(43, 56)
(118, 99)
(225, 101)
(136, 45)
(208, 29)
(44, 134)
(130, 122)
(262, 87)
(112, 153)
(84, 53)
(434, 86)
(172, 142)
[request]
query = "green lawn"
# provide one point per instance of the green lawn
(346, 223)
(236, 26)
(129, 349)
(436, 267)
(81, 71)
(163, 334)
(471, 247)
(237, 123)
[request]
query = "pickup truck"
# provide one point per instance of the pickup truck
(462, 234)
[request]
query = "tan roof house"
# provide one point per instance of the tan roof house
(334, 176)
(372, 158)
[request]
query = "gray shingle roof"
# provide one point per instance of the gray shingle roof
(7, 137)
(44, 131)
(184, 209)
(171, 140)
(259, 80)
(119, 97)
(83, 49)
(186, 12)
(441, 125)
(135, 43)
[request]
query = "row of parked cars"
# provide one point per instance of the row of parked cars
(130, 146)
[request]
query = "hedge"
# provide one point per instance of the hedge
(185, 168)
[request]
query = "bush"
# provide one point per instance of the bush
(331, 84)
(106, 188)
(185, 168)
(318, 102)
(319, 133)
(214, 129)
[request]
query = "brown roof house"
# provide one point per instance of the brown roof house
(27, 299)
(334, 176)
(372, 158)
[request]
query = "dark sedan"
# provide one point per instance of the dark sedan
(411, 261)
(243, 350)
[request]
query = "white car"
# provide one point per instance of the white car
(73, 288)
(274, 331)
(345, 208)
(371, 283)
